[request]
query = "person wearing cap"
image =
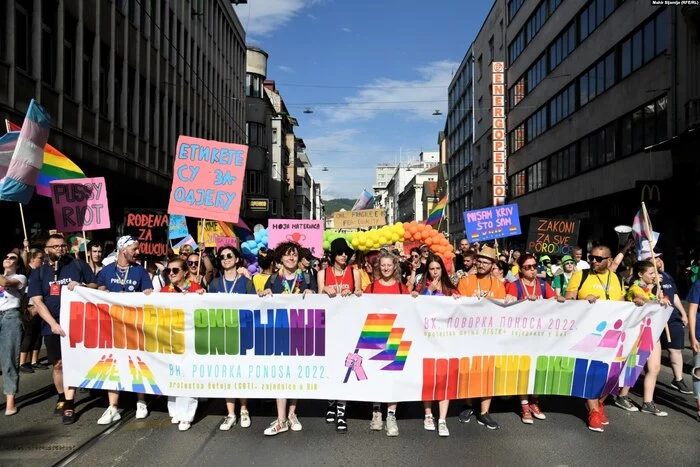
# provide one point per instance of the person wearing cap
(339, 280)
(124, 275)
(544, 270)
(482, 285)
(561, 279)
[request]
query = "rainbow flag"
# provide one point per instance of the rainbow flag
(401, 356)
(23, 169)
(376, 331)
(56, 166)
(437, 213)
(392, 346)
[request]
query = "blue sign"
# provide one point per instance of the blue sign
(490, 223)
(178, 226)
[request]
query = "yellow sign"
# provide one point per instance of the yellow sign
(648, 192)
(359, 219)
(213, 229)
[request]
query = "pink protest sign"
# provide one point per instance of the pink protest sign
(207, 179)
(80, 204)
(307, 233)
(225, 241)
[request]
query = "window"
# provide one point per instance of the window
(536, 73)
(637, 131)
(583, 25)
(518, 184)
(649, 125)
(274, 139)
(254, 85)
(649, 41)
(536, 124)
(610, 70)
(661, 124)
(637, 50)
(491, 48)
(583, 89)
(23, 37)
(513, 7)
(48, 56)
(255, 134)
(661, 38)
(517, 138)
(516, 47)
(626, 131)
(626, 59)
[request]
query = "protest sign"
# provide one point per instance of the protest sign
(380, 348)
(207, 179)
(491, 223)
(212, 230)
(150, 228)
(556, 237)
(80, 204)
(307, 233)
(359, 219)
(177, 227)
(226, 241)
(188, 240)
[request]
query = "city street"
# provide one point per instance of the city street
(35, 435)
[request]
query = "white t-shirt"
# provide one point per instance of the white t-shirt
(581, 265)
(157, 282)
(11, 297)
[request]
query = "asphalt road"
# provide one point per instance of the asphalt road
(36, 436)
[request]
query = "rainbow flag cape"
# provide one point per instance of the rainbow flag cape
(437, 213)
(56, 166)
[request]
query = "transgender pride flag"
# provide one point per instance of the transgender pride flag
(23, 171)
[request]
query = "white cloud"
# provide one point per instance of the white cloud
(261, 17)
(285, 68)
(312, 17)
(411, 99)
(347, 29)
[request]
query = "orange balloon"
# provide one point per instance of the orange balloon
(418, 236)
(429, 241)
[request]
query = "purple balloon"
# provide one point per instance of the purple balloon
(253, 268)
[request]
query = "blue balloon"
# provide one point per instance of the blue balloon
(254, 251)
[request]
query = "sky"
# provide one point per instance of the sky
(372, 71)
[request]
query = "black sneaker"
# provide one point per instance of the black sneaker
(682, 387)
(68, 417)
(58, 410)
(487, 421)
(26, 368)
(341, 424)
(330, 413)
(466, 414)
(39, 366)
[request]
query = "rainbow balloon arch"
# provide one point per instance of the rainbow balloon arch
(401, 234)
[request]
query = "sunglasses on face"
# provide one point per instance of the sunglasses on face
(597, 259)
(529, 267)
(11, 257)
(172, 271)
(568, 262)
(415, 256)
(226, 256)
(192, 263)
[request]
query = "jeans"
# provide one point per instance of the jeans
(696, 379)
(10, 340)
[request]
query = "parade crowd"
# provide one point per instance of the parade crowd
(34, 278)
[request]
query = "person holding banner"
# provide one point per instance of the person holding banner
(694, 332)
(387, 280)
(482, 285)
(289, 280)
(342, 280)
(436, 282)
(124, 275)
(230, 281)
(593, 284)
(181, 408)
(12, 283)
(641, 292)
(45, 286)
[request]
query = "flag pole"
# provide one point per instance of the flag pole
(650, 236)
(201, 240)
(24, 226)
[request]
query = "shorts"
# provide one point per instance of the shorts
(677, 332)
(53, 348)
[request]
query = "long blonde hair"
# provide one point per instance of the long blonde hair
(377, 273)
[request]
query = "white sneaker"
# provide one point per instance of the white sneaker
(276, 427)
(376, 424)
(245, 419)
(429, 422)
(184, 426)
(392, 428)
(141, 410)
(174, 421)
(294, 424)
(442, 428)
(228, 422)
(111, 415)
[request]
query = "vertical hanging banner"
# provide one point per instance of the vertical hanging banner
(498, 132)
(80, 204)
(307, 233)
(207, 179)
(150, 227)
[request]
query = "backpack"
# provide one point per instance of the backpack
(249, 286)
(543, 288)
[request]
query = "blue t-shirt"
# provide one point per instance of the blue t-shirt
(694, 297)
(670, 291)
(40, 280)
(134, 279)
(241, 285)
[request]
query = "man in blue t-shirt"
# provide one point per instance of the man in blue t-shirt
(694, 325)
(124, 275)
(45, 286)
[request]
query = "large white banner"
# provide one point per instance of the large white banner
(372, 348)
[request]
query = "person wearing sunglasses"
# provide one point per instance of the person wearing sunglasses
(45, 286)
(339, 280)
(289, 280)
(596, 283)
(232, 282)
(181, 409)
(563, 275)
(12, 283)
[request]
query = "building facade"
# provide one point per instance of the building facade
(411, 200)
(122, 80)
